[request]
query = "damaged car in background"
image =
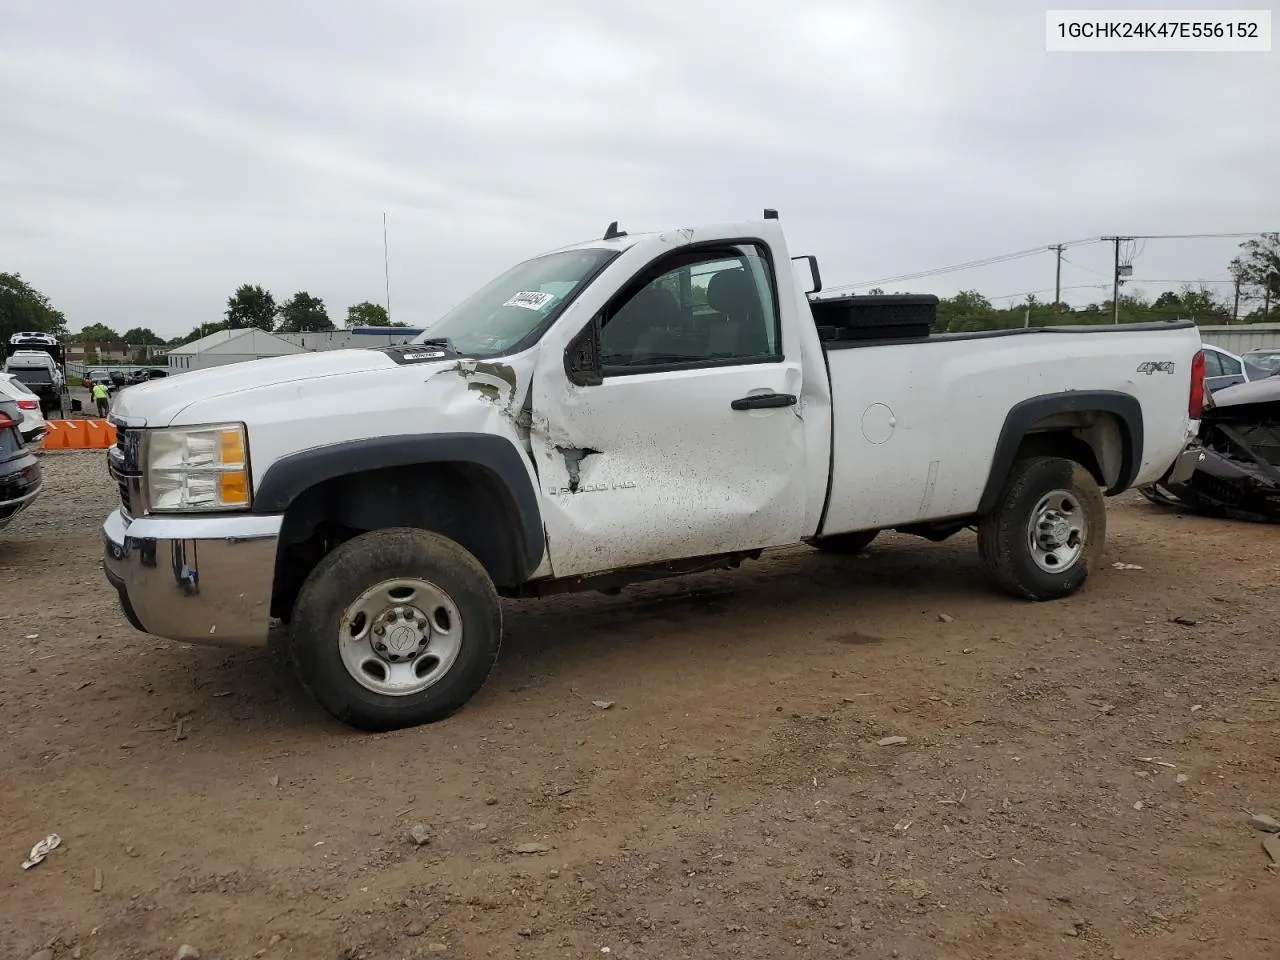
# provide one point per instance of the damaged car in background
(1236, 457)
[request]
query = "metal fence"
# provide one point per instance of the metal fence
(78, 370)
(1242, 337)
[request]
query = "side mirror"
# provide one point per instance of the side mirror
(582, 356)
(813, 271)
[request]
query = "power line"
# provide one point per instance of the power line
(1148, 280)
(1032, 251)
(1028, 293)
(1191, 236)
(1081, 266)
(967, 265)
(1097, 286)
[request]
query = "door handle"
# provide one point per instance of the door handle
(763, 401)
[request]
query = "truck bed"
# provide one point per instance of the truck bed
(917, 419)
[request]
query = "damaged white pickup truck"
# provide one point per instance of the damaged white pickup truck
(624, 409)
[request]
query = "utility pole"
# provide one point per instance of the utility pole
(1235, 307)
(386, 265)
(1115, 279)
(1057, 279)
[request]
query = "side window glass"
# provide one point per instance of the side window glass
(711, 311)
(1212, 363)
(1230, 367)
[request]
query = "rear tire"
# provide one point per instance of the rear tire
(1047, 530)
(395, 628)
(848, 544)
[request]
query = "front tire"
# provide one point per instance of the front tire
(395, 628)
(1047, 531)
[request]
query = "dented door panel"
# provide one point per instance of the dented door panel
(660, 466)
(657, 466)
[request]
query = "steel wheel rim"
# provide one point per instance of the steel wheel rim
(400, 636)
(1057, 532)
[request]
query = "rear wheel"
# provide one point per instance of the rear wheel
(1047, 530)
(395, 628)
(847, 543)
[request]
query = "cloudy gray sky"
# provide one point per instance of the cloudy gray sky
(158, 154)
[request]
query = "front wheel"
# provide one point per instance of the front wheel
(395, 628)
(1047, 530)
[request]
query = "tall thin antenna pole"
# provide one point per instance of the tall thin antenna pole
(386, 264)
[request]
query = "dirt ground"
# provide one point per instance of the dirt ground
(1076, 781)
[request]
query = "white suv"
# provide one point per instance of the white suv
(32, 426)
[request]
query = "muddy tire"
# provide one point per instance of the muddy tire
(395, 628)
(848, 544)
(1047, 530)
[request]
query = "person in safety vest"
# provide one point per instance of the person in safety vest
(102, 398)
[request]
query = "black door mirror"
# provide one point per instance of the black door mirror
(582, 356)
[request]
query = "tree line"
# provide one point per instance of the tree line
(23, 307)
(253, 306)
(970, 310)
(1256, 272)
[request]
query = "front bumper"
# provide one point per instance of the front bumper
(21, 481)
(196, 579)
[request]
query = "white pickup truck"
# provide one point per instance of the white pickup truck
(628, 408)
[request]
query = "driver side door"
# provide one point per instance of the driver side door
(685, 439)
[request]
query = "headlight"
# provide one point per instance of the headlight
(197, 468)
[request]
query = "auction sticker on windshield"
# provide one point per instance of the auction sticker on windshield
(530, 300)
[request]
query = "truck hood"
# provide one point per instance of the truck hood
(157, 402)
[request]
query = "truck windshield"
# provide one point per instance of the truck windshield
(521, 302)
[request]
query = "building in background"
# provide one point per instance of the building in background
(235, 346)
(352, 338)
(229, 346)
(106, 351)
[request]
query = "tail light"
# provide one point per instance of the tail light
(1195, 402)
(5, 421)
(28, 404)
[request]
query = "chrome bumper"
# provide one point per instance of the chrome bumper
(195, 579)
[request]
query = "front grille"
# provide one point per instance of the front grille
(127, 440)
(124, 464)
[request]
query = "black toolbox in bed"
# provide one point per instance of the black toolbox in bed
(895, 316)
